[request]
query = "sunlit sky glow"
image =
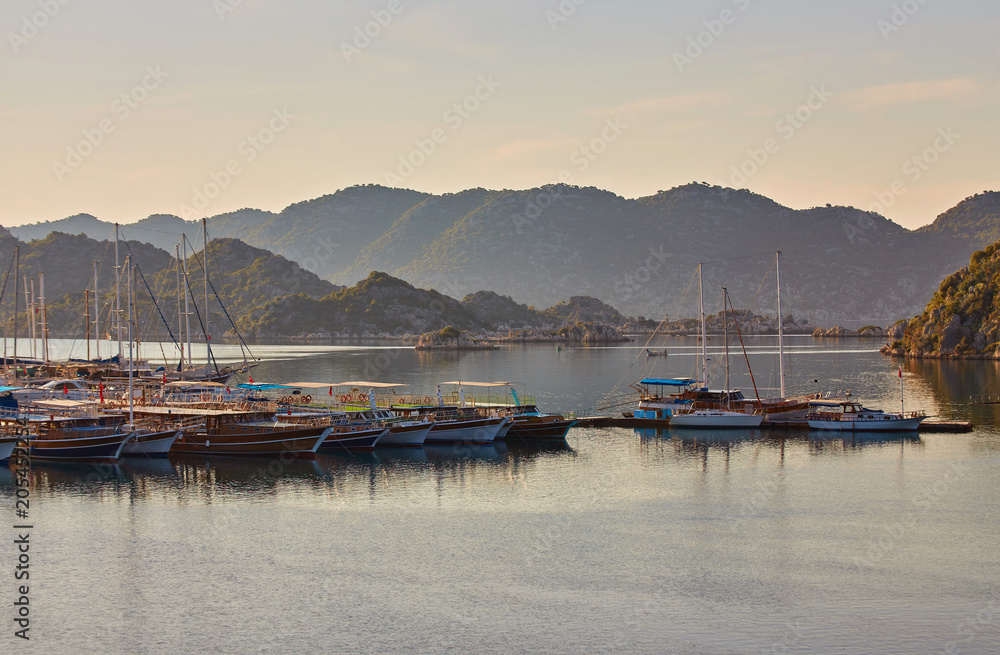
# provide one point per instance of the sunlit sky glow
(885, 86)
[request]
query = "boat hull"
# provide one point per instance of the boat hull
(299, 443)
(7, 446)
(868, 425)
(478, 431)
(152, 444)
(410, 436)
(716, 420)
(97, 448)
(353, 439)
(544, 428)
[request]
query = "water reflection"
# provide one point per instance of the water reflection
(210, 477)
(819, 441)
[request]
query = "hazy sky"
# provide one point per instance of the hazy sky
(125, 108)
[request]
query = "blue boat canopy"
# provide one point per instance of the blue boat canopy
(669, 382)
(262, 387)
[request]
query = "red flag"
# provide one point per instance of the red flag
(251, 379)
(900, 372)
(65, 390)
(164, 378)
(100, 389)
(330, 391)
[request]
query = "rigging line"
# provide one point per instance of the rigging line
(736, 259)
(187, 283)
(243, 344)
(152, 297)
(617, 384)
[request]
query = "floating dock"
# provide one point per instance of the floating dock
(614, 422)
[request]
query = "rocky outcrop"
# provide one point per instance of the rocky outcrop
(451, 339)
(835, 331)
(962, 319)
(838, 331)
(588, 333)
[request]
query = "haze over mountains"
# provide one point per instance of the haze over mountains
(541, 246)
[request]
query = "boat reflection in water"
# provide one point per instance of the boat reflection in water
(383, 473)
(818, 441)
(843, 441)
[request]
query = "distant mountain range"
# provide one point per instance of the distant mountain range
(540, 246)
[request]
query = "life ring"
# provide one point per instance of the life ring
(283, 400)
(362, 397)
(427, 400)
(307, 399)
(345, 398)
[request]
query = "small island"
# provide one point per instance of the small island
(962, 319)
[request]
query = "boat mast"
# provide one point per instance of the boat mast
(208, 322)
(781, 329)
(118, 301)
(17, 270)
(187, 304)
(902, 411)
(97, 325)
(45, 323)
(29, 304)
(86, 317)
(704, 337)
(725, 338)
(180, 322)
(133, 314)
(131, 400)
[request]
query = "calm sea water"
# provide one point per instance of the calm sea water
(677, 542)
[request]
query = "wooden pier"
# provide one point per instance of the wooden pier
(622, 422)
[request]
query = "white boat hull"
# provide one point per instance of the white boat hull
(411, 436)
(155, 443)
(715, 419)
(886, 424)
(7, 445)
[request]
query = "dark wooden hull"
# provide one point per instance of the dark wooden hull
(255, 441)
(71, 448)
(541, 428)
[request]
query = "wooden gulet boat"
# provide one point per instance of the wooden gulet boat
(77, 443)
(226, 432)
